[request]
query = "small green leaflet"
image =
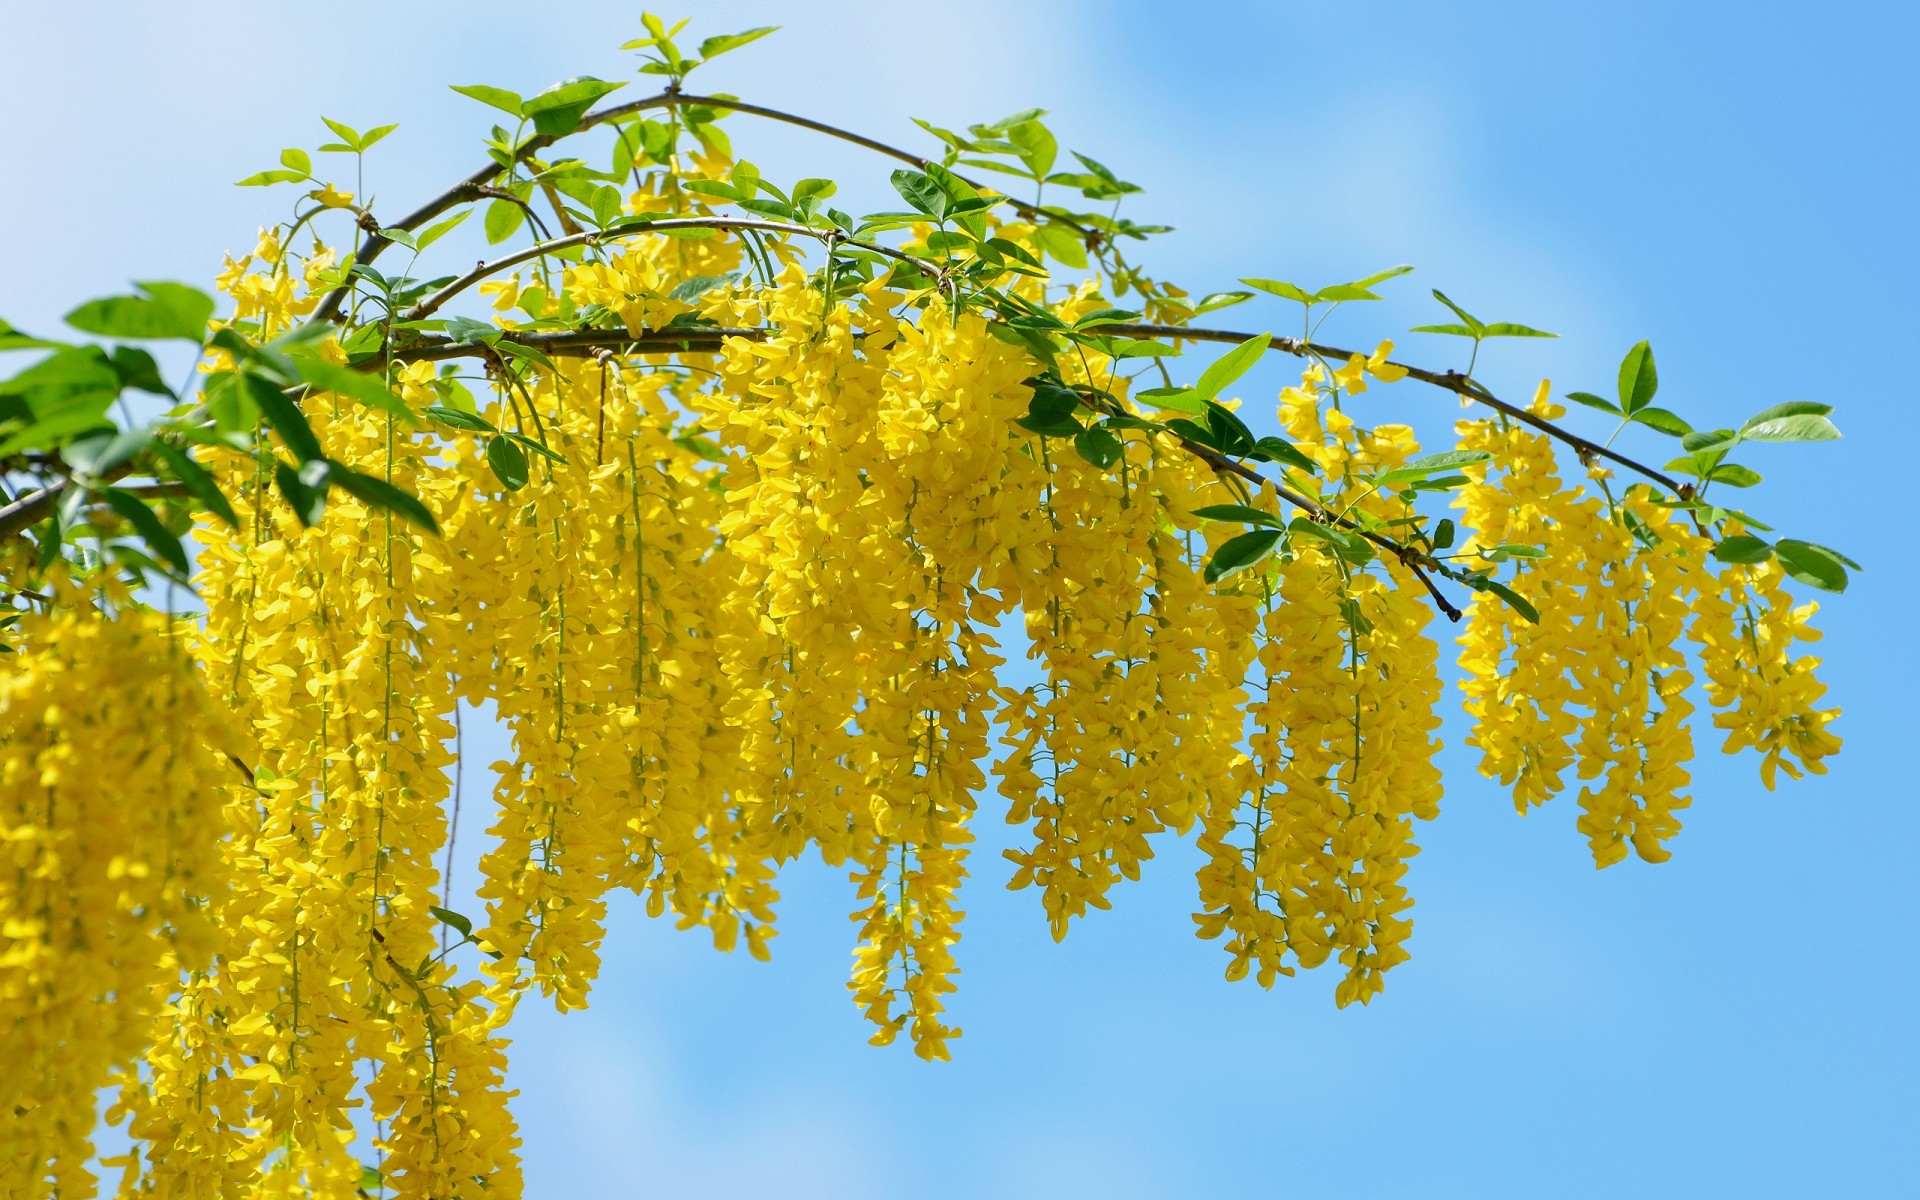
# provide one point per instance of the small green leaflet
(355, 385)
(1743, 548)
(509, 463)
(1238, 512)
(1238, 553)
(1231, 365)
(1797, 421)
(158, 537)
(446, 916)
(378, 493)
(197, 481)
(1638, 379)
(164, 310)
(1098, 447)
(1814, 565)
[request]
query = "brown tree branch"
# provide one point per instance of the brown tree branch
(831, 237)
(1452, 381)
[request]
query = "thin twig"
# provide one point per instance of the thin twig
(1452, 381)
(477, 183)
(432, 303)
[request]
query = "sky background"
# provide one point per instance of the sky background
(1734, 183)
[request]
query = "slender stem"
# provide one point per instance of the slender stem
(1452, 381)
(432, 303)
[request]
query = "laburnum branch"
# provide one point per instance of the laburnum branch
(1452, 381)
(477, 185)
(830, 237)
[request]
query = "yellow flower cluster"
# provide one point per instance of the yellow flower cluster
(736, 607)
(1600, 683)
(114, 762)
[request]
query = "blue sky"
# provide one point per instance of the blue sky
(1734, 183)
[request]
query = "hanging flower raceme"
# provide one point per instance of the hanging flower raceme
(115, 765)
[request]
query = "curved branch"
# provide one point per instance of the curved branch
(475, 185)
(831, 237)
(1452, 381)
(25, 512)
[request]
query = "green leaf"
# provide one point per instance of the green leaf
(1708, 440)
(1098, 447)
(1733, 475)
(1443, 534)
(1791, 408)
(1666, 422)
(296, 160)
(1037, 146)
(378, 493)
(12, 339)
(503, 220)
(1173, 399)
(305, 490)
(1513, 599)
(1796, 427)
(1273, 449)
(1214, 301)
(466, 329)
(921, 192)
(399, 236)
(527, 443)
(356, 385)
(1347, 545)
(433, 233)
(500, 98)
(509, 463)
(1593, 401)
(706, 448)
(1231, 365)
(345, 133)
(1238, 553)
(721, 43)
(1511, 550)
(1449, 330)
(460, 419)
(1420, 468)
(1475, 326)
(1282, 289)
(1813, 565)
(1638, 379)
(373, 135)
(1064, 244)
(1230, 433)
(1509, 329)
(1340, 293)
(136, 369)
(167, 310)
(1743, 548)
(1241, 513)
(1382, 276)
(197, 481)
(159, 539)
(689, 291)
(556, 112)
(264, 178)
(1051, 426)
(1106, 316)
(285, 417)
(446, 916)
(1007, 122)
